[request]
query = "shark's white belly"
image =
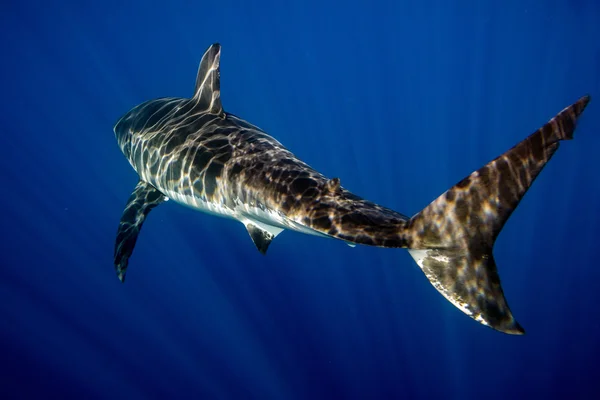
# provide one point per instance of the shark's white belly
(264, 217)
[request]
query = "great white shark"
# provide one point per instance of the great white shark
(195, 153)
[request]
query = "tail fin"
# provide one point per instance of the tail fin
(452, 238)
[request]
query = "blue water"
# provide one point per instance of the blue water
(400, 100)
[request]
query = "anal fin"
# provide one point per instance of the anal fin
(143, 199)
(261, 234)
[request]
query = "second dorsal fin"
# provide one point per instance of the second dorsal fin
(208, 86)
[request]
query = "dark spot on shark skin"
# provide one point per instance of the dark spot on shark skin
(137, 157)
(188, 155)
(210, 185)
(174, 141)
(214, 170)
(450, 195)
(223, 157)
(564, 125)
(366, 240)
(130, 212)
(186, 108)
(533, 145)
(276, 174)
(476, 203)
(286, 205)
(464, 183)
(493, 276)
(310, 193)
(187, 130)
(294, 174)
(265, 179)
(406, 241)
(391, 242)
(318, 208)
(322, 223)
(461, 210)
(198, 186)
(284, 176)
(153, 168)
(216, 144)
(524, 177)
(155, 111)
(505, 195)
(351, 221)
(187, 189)
(451, 274)
(174, 170)
(235, 170)
(258, 166)
(201, 159)
(484, 177)
(300, 185)
(491, 309)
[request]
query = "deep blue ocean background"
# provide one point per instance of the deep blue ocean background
(399, 99)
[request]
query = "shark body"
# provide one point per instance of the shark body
(193, 152)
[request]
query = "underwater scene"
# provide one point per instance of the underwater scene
(337, 200)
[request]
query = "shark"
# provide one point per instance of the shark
(192, 151)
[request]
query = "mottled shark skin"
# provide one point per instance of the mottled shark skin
(195, 153)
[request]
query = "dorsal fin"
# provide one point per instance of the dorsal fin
(208, 85)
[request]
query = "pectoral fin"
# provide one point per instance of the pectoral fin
(143, 199)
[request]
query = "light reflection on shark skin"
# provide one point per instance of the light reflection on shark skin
(195, 153)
